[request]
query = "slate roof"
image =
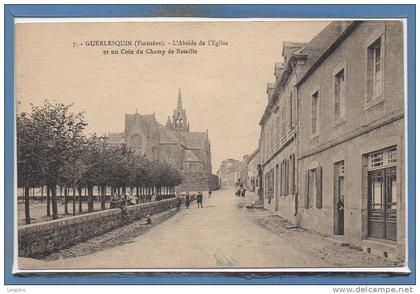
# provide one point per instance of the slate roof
(190, 156)
(313, 52)
(193, 140)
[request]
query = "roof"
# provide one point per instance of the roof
(312, 53)
(166, 137)
(192, 140)
(325, 43)
(190, 156)
(252, 155)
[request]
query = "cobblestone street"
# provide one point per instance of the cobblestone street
(223, 234)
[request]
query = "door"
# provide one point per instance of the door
(339, 198)
(382, 203)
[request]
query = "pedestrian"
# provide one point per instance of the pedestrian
(187, 200)
(209, 194)
(200, 200)
(121, 204)
(237, 189)
(152, 197)
(178, 202)
(131, 199)
(243, 192)
(113, 202)
(340, 212)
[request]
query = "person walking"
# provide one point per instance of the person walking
(210, 194)
(200, 200)
(187, 200)
(243, 192)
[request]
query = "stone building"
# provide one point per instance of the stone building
(332, 136)
(243, 170)
(228, 173)
(278, 134)
(352, 138)
(251, 179)
(174, 143)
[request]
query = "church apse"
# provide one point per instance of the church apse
(173, 142)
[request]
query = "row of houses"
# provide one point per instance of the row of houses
(331, 154)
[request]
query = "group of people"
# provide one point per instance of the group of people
(199, 199)
(120, 201)
(132, 199)
(240, 189)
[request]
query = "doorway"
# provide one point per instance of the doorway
(339, 197)
(382, 203)
(382, 194)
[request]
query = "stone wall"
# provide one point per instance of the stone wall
(194, 181)
(37, 240)
(213, 182)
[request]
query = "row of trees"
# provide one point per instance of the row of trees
(52, 151)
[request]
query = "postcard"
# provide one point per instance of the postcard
(214, 145)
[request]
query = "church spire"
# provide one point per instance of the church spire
(179, 119)
(179, 106)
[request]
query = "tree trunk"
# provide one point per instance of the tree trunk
(90, 198)
(27, 216)
(103, 197)
(48, 201)
(54, 201)
(42, 194)
(79, 189)
(66, 191)
(74, 200)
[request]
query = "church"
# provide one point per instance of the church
(173, 142)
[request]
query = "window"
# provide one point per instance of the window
(313, 188)
(283, 122)
(375, 64)
(290, 110)
(292, 174)
(383, 158)
(286, 177)
(315, 109)
(340, 94)
(277, 128)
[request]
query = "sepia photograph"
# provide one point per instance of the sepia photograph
(214, 145)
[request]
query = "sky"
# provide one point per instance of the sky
(223, 88)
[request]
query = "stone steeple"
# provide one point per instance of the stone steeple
(179, 105)
(179, 118)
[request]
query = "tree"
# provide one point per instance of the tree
(58, 133)
(28, 167)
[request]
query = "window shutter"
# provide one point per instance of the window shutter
(383, 41)
(318, 187)
(306, 195)
(291, 173)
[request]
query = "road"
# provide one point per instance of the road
(223, 234)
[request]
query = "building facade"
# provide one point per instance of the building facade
(251, 179)
(228, 173)
(351, 138)
(189, 152)
(332, 145)
(278, 134)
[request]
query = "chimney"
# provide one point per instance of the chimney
(278, 70)
(270, 90)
